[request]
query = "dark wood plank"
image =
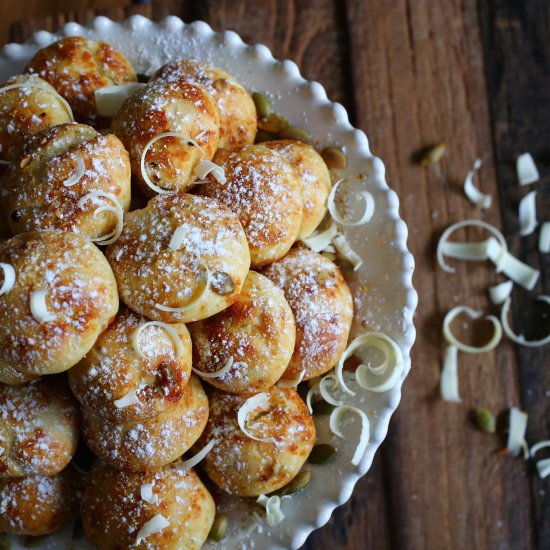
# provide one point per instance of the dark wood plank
(418, 73)
(517, 67)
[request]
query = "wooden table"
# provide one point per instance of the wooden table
(411, 73)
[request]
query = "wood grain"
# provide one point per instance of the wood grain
(411, 73)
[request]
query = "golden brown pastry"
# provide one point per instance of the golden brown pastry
(244, 466)
(180, 259)
(256, 334)
(315, 178)
(323, 310)
(39, 427)
(237, 110)
(265, 193)
(115, 515)
(76, 67)
(26, 111)
(67, 173)
(38, 505)
(63, 296)
(176, 106)
(145, 444)
(147, 367)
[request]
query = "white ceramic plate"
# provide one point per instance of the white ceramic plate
(384, 297)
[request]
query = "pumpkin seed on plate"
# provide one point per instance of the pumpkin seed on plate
(485, 420)
(34, 542)
(298, 134)
(262, 136)
(295, 485)
(263, 105)
(219, 528)
(5, 542)
(321, 454)
(274, 123)
(322, 407)
(334, 158)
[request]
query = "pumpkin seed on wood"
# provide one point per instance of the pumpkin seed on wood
(321, 454)
(298, 134)
(263, 105)
(295, 485)
(334, 158)
(485, 420)
(219, 528)
(274, 123)
(432, 155)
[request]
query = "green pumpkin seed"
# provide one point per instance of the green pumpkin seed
(433, 154)
(34, 542)
(334, 158)
(274, 123)
(321, 454)
(263, 105)
(262, 136)
(322, 407)
(219, 528)
(295, 485)
(346, 267)
(5, 542)
(485, 420)
(295, 133)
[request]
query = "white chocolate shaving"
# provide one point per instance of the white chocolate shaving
(293, 382)
(453, 341)
(272, 505)
(334, 422)
(499, 293)
(216, 374)
(205, 167)
(50, 91)
(171, 331)
(472, 192)
(368, 200)
(193, 300)
(146, 493)
(390, 368)
(320, 241)
(382, 377)
(528, 214)
(76, 176)
(544, 238)
(448, 382)
(519, 338)
(252, 403)
(314, 390)
(331, 380)
(127, 400)
(178, 237)
(543, 467)
(109, 99)
(526, 169)
(149, 144)
(194, 460)
(465, 251)
(39, 308)
(346, 252)
(9, 278)
(516, 434)
(538, 446)
(116, 210)
(521, 273)
(155, 525)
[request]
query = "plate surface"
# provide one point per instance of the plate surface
(383, 294)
